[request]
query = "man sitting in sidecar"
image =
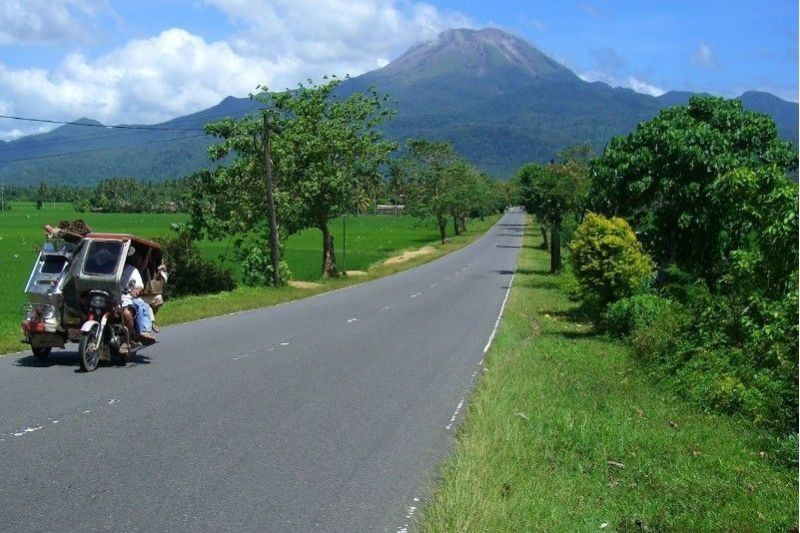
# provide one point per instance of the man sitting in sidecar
(136, 313)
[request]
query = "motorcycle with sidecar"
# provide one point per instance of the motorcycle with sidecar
(74, 294)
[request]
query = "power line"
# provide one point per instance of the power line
(119, 127)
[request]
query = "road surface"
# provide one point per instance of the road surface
(324, 414)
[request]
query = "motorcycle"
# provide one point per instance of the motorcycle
(74, 294)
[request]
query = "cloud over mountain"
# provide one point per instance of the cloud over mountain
(176, 72)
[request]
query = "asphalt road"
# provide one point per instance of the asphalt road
(325, 414)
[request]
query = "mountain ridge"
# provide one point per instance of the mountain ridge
(501, 101)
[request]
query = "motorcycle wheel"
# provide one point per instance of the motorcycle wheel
(88, 349)
(41, 353)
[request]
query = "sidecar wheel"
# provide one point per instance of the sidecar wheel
(88, 350)
(41, 353)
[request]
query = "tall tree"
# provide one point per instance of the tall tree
(661, 177)
(322, 147)
(552, 192)
(325, 147)
(424, 176)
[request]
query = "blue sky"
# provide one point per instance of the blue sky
(149, 61)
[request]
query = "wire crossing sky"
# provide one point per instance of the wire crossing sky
(150, 61)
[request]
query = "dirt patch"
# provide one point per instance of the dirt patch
(409, 255)
(356, 273)
(305, 285)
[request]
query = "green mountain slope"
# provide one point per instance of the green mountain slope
(497, 98)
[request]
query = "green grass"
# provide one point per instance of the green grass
(370, 239)
(560, 409)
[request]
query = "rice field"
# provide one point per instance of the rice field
(369, 239)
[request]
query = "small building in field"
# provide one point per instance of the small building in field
(390, 209)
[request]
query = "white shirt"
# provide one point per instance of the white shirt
(131, 279)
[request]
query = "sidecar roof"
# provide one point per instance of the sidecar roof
(124, 237)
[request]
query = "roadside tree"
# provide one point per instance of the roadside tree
(661, 178)
(552, 192)
(322, 149)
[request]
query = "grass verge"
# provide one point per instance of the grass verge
(243, 298)
(566, 432)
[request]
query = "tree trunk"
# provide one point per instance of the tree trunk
(463, 222)
(555, 249)
(442, 228)
(545, 245)
(328, 254)
(456, 227)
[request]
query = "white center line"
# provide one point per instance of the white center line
(415, 295)
(354, 319)
(284, 344)
(433, 286)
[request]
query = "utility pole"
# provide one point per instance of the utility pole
(273, 222)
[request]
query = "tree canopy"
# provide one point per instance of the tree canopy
(324, 150)
(661, 177)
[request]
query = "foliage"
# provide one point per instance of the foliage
(428, 177)
(190, 272)
(663, 178)
(635, 313)
(324, 151)
(126, 195)
(555, 192)
(257, 267)
(607, 260)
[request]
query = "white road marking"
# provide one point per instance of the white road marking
(354, 319)
(502, 308)
(284, 344)
(26, 430)
(387, 307)
(415, 295)
(433, 286)
(455, 414)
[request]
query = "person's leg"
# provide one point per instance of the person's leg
(143, 313)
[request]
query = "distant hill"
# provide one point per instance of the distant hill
(501, 102)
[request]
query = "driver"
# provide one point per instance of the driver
(133, 307)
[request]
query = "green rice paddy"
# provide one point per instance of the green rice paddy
(369, 239)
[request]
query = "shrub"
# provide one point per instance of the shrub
(607, 260)
(257, 268)
(635, 312)
(190, 272)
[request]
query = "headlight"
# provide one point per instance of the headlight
(98, 301)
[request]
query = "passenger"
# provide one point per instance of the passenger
(135, 311)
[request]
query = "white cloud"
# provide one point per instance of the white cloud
(26, 22)
(277, 43)
(629, 82)
(335, 36)
(147, 80)
(704, 57)
(16, 133)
